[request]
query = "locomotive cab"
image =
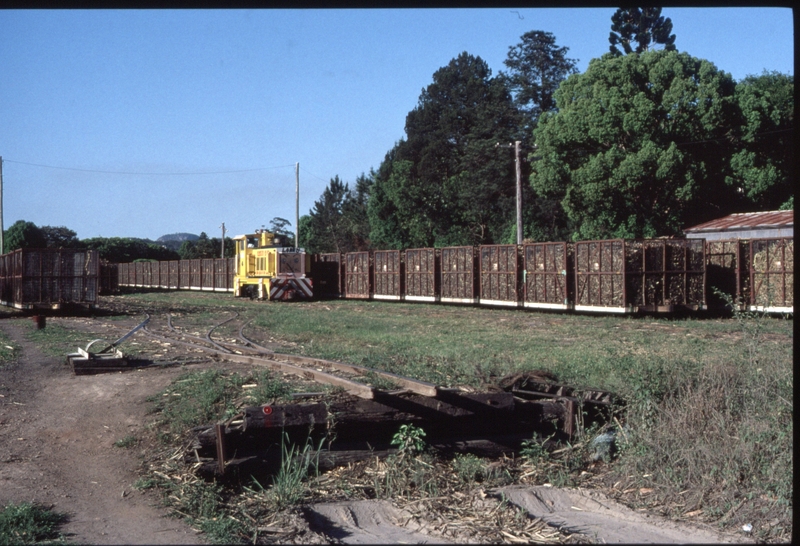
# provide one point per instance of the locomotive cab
(267, 270)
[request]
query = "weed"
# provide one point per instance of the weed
(287, 485)
(469, 467)
(143, 484)
(534, 451)
(269, 387)
(409, 440)
(405, 475)
(127, 441)
(28, 523)
(197, 398)
(721, 428)
(8, 350)
(409, 470)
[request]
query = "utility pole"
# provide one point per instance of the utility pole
(297, 205)
(519, 191)
(516, 147)
(2, 242)
(222, 253)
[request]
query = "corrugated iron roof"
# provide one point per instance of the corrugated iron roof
(747, 220)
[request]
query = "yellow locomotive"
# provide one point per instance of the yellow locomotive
(267, 270)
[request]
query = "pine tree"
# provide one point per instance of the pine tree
(641, 25)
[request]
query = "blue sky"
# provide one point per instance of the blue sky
(142, 123)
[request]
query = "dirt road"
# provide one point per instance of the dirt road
(57, 434)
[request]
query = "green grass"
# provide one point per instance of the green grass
(199, 398)
(28, 523)
(8, 351)
(127, 441)
(57, 341)
(709, 400)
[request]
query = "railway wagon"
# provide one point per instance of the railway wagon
(499, 277)
(49, 278)
(207, 274)
(422, 277)
(756, 274)
(634, 275)
(608, 276)
(109, 278)
(358, 275)
(459, 275)
(388, 275)
(328, 273)
(771, 275)
(546, 282)
(728, 272)
(611, 276)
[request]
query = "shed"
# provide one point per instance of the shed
(746, 225)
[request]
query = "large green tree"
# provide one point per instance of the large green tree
(325, 231)
(536, 67)
(23, 234)
(355, 215)
(446, 183)
(762, 166)
(338, 222)
(640, 145)
(644, 26)
(60, 237)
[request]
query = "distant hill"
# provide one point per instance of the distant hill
(174, 241)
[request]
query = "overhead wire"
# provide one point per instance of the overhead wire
(144, 173)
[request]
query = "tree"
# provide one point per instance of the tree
(761, 168)
(60, 237)
(124, 250)
(205, 247)
(641, 25)
(639, 146)
(447, 183)
(355, 218)
(22, 234)
(338, 222)
(536, 67)
(280, 228)
(325, 234)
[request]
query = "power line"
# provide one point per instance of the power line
(146, 173)
(314, 175)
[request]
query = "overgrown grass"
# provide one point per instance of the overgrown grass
(198, 398)
(709, 400)
(8, 351)
(718, 436)
(28, 523)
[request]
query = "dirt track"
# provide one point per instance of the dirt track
(57, 434)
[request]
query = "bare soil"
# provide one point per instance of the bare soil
(57, 436)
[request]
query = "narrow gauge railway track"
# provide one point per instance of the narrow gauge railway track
(247, 351)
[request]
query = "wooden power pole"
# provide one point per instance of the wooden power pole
(222, 254)
(2, 241)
